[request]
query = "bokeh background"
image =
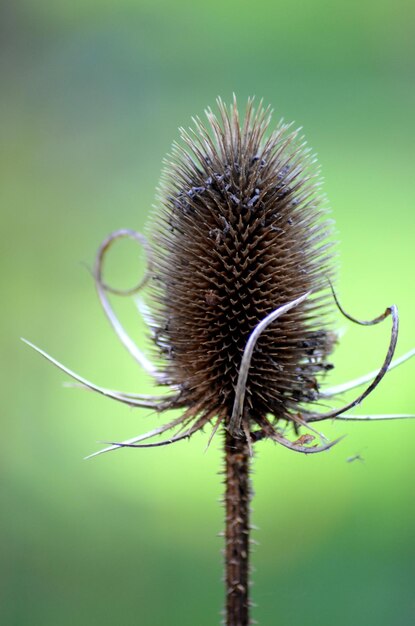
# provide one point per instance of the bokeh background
(92, 93)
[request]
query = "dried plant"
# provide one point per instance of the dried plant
(240, 271)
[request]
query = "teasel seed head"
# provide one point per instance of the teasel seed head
(241, 269)
(242, 230)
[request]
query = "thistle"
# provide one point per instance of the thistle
(240, 300)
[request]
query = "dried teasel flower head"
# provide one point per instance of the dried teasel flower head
(241, 268)
(242, 231)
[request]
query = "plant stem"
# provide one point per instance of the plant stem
(237, 501)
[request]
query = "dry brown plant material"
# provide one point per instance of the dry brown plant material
(240, 271)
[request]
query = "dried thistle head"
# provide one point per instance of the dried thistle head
(241, 267)
(242, 231)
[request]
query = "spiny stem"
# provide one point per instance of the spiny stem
(237, 502)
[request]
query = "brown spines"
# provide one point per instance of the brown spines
(241, 232)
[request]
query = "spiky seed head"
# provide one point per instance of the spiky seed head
(242, 229)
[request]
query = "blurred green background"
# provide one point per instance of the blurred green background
(92, 93)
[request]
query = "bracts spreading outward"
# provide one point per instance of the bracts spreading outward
(239, 281)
